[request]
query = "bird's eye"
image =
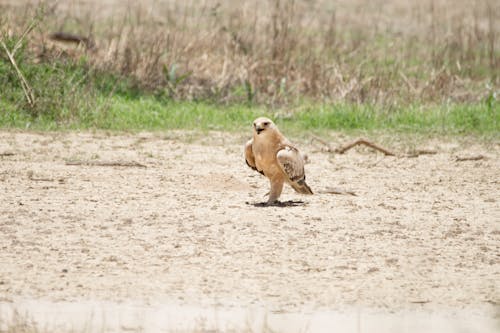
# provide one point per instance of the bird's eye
(266, 123)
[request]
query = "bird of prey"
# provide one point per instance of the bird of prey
(271, 154)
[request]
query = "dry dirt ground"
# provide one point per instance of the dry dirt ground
(421, 231)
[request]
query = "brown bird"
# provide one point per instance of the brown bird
(271, 154)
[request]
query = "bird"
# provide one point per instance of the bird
(270, 153)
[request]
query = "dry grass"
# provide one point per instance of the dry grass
(380, 52)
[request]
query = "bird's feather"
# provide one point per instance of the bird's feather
(292, 163)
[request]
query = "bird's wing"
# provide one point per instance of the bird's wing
(292, 163)
(249, 158)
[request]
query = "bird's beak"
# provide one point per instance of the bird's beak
(258, 128)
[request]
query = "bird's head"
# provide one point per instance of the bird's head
(263, 124)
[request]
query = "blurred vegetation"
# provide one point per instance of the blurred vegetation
(309, 65)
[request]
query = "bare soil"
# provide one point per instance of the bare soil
(177, 222)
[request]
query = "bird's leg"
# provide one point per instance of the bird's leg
(276, 189)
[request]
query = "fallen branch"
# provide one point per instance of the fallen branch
(107, 163)
(365, 142)
(72, 38)
(470, 158)
(342, 149)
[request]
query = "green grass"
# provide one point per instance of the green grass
(118, 112)
(71, 95)
(445, 119)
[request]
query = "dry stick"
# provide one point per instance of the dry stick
(470, 158)
(7, 154)
(28, 92)
(328, 147)
(41, 179)
(418, 152)
(425, 152)
(348, 146)
(107, 163)
(25, 33)
(34, 21)
(335, 190)
(408, 83)
(341, 150)
(423, 301)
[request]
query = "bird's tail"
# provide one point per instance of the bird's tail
(301, 187)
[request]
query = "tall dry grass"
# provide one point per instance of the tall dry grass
(275, 51)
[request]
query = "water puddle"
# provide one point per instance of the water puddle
(106, 317)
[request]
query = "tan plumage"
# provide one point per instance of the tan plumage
(271, 154)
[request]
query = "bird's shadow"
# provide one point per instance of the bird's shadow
(289, 203)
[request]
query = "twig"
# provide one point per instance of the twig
(31, 176)
(320, 140)
(418, 152)
(25, 33)
(335, 190)
(348, 146)
(470, 158)
(107, 163)
(28, 92)
(6, 154)
(418, 301)
(41, 179)
(408, 83)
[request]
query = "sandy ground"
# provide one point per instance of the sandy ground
(421, 232)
